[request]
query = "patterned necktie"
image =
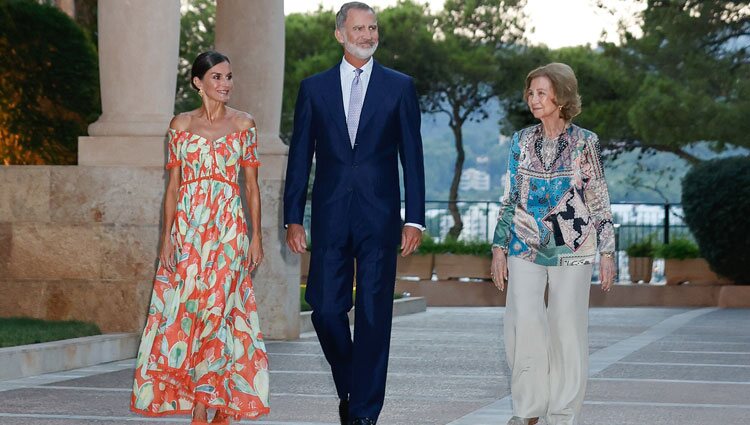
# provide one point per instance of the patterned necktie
(355, 106)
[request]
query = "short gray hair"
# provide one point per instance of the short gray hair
(346, 7)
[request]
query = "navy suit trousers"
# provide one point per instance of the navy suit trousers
(360, 365)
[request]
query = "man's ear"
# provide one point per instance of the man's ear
(339, 36)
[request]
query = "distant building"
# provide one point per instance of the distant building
(473, 179)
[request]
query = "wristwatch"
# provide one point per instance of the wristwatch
(608, 254)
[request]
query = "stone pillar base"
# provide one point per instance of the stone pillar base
(140, 151)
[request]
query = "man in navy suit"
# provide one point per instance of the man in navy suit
(357, 118)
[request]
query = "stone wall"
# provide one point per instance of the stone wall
(81, 243)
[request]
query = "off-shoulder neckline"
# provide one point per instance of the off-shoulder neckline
(239, 132)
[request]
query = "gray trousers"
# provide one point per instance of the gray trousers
(547, 346)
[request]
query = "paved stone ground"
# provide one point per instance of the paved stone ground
(648, 366)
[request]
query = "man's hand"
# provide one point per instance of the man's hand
(411, 238)
(296, 239)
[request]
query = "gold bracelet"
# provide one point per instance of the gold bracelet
(607, 254)
(502, 248)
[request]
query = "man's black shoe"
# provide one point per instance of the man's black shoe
(363, 421)
(344, 412)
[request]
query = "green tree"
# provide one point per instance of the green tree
(310, 48)
(693, 63)
(606, 88)
(49, 85)
(197, 35)
(407, 42)
(468, 33)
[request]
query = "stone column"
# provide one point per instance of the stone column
(138, 54)
(252, 35)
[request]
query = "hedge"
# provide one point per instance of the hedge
(49, 84)
(716, 203)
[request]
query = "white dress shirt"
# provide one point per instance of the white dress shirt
(347, 78)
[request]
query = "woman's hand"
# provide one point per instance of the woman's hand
(256, 251)
(499, 268)
(607, 272)
(167, 254)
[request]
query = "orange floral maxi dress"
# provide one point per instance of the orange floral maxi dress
(202, 341)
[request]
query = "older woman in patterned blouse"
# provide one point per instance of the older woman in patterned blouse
(555, 216)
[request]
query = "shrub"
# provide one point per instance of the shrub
(643, 248)
(716, 201)
(678, 249)
(451, 246)
(49, 84)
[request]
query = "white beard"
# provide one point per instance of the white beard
(358, 52)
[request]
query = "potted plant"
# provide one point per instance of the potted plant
(683, 263)
(641, 260)
(419, 264)
(461, 259)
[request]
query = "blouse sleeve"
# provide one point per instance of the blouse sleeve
(501, 237)
(173, 149)
(597, 196)
(250, 149)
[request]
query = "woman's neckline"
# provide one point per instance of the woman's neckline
(238, 132)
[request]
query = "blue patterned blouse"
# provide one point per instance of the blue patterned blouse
(555, 209)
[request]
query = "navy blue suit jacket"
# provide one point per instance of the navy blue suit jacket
(389, 128)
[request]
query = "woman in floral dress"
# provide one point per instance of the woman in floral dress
(202, 347)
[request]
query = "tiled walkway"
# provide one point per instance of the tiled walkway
(648, 366)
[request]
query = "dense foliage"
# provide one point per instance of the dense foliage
(716, 199)
(458, 247)
(644, 248)
(196, 36)
(49, 88)
(688, 76)
(678, 249)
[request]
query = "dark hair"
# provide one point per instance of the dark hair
(203, 63)
(346, 7)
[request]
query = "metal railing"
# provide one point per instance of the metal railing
(634, 222)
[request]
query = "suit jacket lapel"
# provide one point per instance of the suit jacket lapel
(334, 98)
(373, 96)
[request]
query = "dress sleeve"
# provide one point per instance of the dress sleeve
(173, 149)
(510, 197)
(597, 196)
(250, 149)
